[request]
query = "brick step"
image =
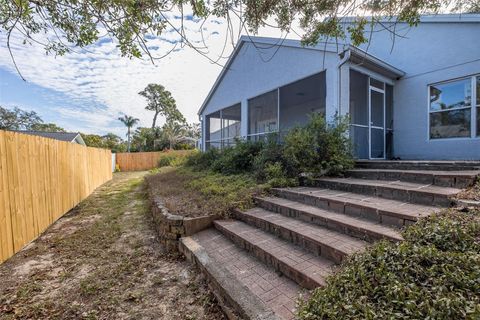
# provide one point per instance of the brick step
(352, 226)
(418, 165)
(303, 267)
(318, 240)
(244, 286)
(396, 190)
(385, 211)
(455, 179)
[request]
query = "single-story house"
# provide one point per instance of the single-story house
(410, 93)
(73, 137)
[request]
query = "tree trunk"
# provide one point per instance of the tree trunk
(154, 120)
(128, 139)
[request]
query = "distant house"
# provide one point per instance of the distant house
(414, 97)
(73, 137)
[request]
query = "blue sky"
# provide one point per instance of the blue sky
(87, 90)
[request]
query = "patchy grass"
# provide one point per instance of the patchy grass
(197, 193)
(102, 261)
(433, 274)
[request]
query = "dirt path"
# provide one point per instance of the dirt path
(102, 261)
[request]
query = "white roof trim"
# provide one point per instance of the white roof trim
(434, 18)
(389, 70)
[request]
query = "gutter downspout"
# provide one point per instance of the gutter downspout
(346, 57)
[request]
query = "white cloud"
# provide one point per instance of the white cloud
(102, 85)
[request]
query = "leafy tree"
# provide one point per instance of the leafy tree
(47, 127)
(93, 140)
(129, 122)
(113, 142)
(174, 132)
(145, 139)
(131, 23)
(162, 103)
(18, 119)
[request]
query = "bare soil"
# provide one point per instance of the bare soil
(102, 261)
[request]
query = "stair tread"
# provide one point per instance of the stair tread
(396, 184)
(336, 240)
(397, 207)
(278, 293)
(443, 173)
(315, 267)
(352, 222)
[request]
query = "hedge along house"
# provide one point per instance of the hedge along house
(411, 93)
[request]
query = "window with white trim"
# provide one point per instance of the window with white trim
(223, 126)
(453, 113)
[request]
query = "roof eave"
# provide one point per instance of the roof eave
(362, 57)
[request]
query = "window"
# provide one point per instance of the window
(452, 110)
(222, 127)
(263, 114)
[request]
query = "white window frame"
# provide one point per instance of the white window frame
(473, 108)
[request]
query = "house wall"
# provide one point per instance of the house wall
(429, 53)
(255, 71)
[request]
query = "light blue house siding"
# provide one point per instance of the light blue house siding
(440, 49)
(433, 52)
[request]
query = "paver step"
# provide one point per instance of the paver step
(251, 289)
(418, 165)
(321, 241)
(397, 190)
(303, 267)
(385, 211)
(353, 226)
(456, 179)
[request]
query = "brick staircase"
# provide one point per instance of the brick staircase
(259, 262)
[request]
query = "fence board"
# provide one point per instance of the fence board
(40, 180)
(138, 161)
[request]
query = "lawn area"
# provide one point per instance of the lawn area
(433, 274)
(192, 193)
(102, 261)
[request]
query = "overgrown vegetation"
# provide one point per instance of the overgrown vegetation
(317, 148)
(174, 158)
(433, 274)
(193, 193)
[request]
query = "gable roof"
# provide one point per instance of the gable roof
(62, 136)
(268, 43)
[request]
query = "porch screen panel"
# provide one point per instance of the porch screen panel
(358, 112)
(263, 114)
(231, 119)
(300, 99)
(214, 127)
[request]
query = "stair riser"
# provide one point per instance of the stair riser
(302, 279)
(303, 241)
(354, 231)
(412, 196)
(417, 166)
(441, 181)
(384, 217)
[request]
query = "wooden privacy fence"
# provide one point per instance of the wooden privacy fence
(40, 180)
(137, 161)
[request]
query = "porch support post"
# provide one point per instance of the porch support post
(244, 122)
(344, 94)
(331, 100)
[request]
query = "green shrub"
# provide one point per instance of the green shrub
(433, 274)
(320, 148)
(203, 160)
(173, 159)
(276, 176)
(237, 159)
(165, 161)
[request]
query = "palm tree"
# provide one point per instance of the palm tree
(174, 132)
(129, 122)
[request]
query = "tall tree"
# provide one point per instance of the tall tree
(129, 122)
(18, 119)
(160, 101)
